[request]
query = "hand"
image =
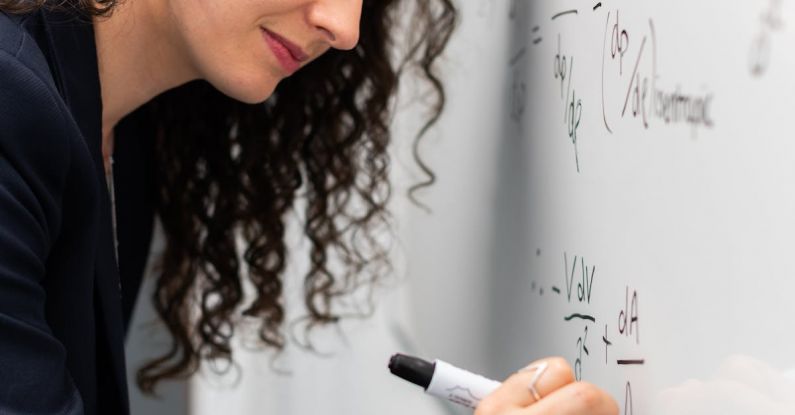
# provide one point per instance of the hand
(555, 386)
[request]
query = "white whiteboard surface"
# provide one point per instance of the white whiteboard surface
(689, 211)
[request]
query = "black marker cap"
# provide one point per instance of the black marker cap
(412, 369)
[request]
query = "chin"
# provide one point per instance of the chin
(256, 94)
(247, 90)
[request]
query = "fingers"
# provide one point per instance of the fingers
(580, 398)
(553, 381)
(517, 392)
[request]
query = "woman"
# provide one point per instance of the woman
(173, 90)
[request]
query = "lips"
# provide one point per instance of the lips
(288, 54)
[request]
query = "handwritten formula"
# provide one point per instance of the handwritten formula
(597, 334)
(633, 88)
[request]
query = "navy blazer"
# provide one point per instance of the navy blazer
(62, 312)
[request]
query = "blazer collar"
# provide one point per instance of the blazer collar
(73, 63)
(72, 57)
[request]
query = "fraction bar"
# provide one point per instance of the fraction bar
(564, 13)
(631, 361)
(580, 316)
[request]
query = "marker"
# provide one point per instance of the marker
(443, 380)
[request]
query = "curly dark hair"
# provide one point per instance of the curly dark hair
(229, 172)
(91, 7)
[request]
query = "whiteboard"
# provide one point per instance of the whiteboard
(643, 215)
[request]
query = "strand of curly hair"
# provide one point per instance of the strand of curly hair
(90, 7)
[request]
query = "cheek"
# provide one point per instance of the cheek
(226, 48)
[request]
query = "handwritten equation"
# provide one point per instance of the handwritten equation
(633, 89)
(644, 99)
(598, 334)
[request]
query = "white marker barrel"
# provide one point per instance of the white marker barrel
(459, 386)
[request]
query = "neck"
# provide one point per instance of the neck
(139, 57)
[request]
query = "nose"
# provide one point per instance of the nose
(338, 21)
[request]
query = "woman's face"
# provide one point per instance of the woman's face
(245, 47)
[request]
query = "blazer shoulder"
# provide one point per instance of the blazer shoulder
(36, 143)
(24, 89)
(17, 43)
(11, 31)
(34, 121)
(24, 70)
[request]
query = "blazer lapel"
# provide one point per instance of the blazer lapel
(75, 70)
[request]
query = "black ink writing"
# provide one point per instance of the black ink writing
(628, 319)
(581, 348)
(572, 114)
(585, 281)
(607, 343)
